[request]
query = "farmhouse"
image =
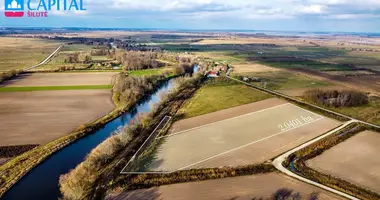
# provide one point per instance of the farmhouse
(213, 74)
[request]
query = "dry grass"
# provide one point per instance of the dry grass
(359, 165)
(253, 67)
(62, 79)
(17, 53)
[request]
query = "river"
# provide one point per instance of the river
(41, 183)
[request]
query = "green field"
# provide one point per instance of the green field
(369, 113)
(46, 88)
(283, 80)
(146, 72)
(219, 95)
(76, 48)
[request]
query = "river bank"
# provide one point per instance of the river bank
(12, 172)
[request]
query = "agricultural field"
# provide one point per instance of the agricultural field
(40, 107)
(286, 81)
(359, 165)
(218, 95)
(61, 79)
(39, 117)
(244, 187)
(18, 53)
(59, 60)
(267, 131)
(253, 67)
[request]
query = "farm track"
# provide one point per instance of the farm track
(46, 59)
(279, 160)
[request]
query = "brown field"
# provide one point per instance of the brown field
(239, 188)
(253, 67)
(62, 79)
(368, 83)
(230, 142)
(42, 116)
(17, 53)
(355, 160)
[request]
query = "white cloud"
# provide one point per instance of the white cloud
(353, 16)
(312, 9)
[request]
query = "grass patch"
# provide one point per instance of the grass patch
(368, 113)
(286, 80)
(45, 88)
(146, 72)
(217, 95)
(76, 47)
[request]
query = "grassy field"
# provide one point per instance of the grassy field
(369, 113)
(146, 72)
(76, 48)
(282, 80)
(219, 95)
(17, 53)
(151, 72)
(45, 88)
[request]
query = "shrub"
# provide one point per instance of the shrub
(9, 75)
(74, 184)
(128, 90)
(334, 98)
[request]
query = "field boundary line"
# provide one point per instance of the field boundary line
(318, 115)
(145, 142)
(224, 120)
(257, 141)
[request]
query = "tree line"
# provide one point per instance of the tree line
(337, 99)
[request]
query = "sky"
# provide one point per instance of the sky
(282, 15)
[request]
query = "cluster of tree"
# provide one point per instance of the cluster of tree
(9, 75)
(137, 60)
(78, 57)
(334, 98)
(288, 194)
(100, 52)
(184, 68)
(127, 90)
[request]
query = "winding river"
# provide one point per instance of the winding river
(41, 183)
